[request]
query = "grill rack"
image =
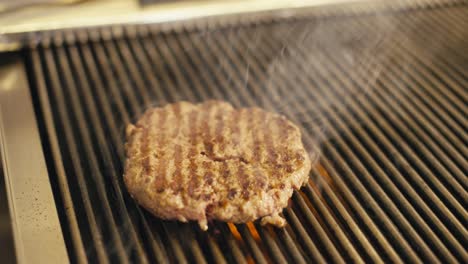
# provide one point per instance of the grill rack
(391, 183)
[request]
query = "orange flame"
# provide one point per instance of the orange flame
(253, 231)
(234, 231)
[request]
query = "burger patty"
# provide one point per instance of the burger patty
(210, 161)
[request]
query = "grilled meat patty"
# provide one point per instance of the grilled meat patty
(210, 161)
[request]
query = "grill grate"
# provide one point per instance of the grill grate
(384, 95)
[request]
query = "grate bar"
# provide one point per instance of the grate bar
(250, 241)
(398, 194)
(178, 252)
(178, 78)
(458, 206)
(439, 111)
(450, 31)
(448, 161)
(119, 49)
(237, 255)
(332, 252)
(451, 199)
(120, 103)
(116, 137)
(460, 230)
(215, 251)
(96, 81)
(374, 185)
(434, 106)
(93, 115)
(151, 52)
(450, 64)
(285, 237)
(79, 116)
(145, 66)
(63, 182)
(304, 237)
(272, 246)
(338, 207)
(457, 171)
(95, 232)
(452, 142)
(445, 117)
(189, 238)
(455, 27)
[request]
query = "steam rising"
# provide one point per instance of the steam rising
(297, 68)
(305, 69)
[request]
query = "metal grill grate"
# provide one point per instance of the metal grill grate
(384, 95)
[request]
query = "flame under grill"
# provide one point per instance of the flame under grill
(384, 95)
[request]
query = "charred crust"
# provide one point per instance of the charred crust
(232, 193)
(209, 178)
(224, 159)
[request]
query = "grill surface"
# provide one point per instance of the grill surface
(383, 93)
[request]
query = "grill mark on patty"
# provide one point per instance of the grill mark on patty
(234, 172)
(260, 180)
(144, 148)
(245, 182)
(270, 128)
(261, 139)
(194, 120)
(242, 177)
(207, 167)
(257, 139)
(266, 154)
(228, 173)
(218, 134)
(205, 129)
(160, 177)
(144, 143)
(210, 171)
(271, 155)
(177, 177)
(224, 172)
